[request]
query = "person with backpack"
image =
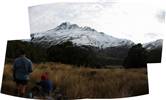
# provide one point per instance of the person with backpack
(22, 67)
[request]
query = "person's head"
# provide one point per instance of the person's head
(44, 76)
(21, 52)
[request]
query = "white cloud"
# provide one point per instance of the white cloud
(150, 36)
(132, 21)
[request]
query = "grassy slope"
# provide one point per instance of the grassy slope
(83, 82)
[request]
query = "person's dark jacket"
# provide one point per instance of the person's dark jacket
(22, 68)
(46, 86)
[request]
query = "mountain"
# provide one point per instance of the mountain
(153, 45)
(154, 51)
(70, 43)
(79, 36)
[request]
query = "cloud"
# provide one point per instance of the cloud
(123, 20)
(153, 36)
(161, 16)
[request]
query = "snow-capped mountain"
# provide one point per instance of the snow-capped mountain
(153, 45)
(78, 36)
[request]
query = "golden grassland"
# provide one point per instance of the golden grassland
(84, 82)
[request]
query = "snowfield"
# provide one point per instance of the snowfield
(79, 36)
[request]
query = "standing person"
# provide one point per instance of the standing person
(22, 67)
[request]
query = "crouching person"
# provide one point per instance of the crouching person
(45, 84)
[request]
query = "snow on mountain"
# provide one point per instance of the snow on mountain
(153, 45)
(79, 36)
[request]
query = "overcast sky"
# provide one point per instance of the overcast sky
(138, 22)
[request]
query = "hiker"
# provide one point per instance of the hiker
(45, 84)
(22, 67)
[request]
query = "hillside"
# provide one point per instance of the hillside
(71, 44)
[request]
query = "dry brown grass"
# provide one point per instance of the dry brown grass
(83, 82)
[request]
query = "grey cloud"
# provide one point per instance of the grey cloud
(161, 16)
(48, 16)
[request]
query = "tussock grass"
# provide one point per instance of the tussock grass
(82, 82)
